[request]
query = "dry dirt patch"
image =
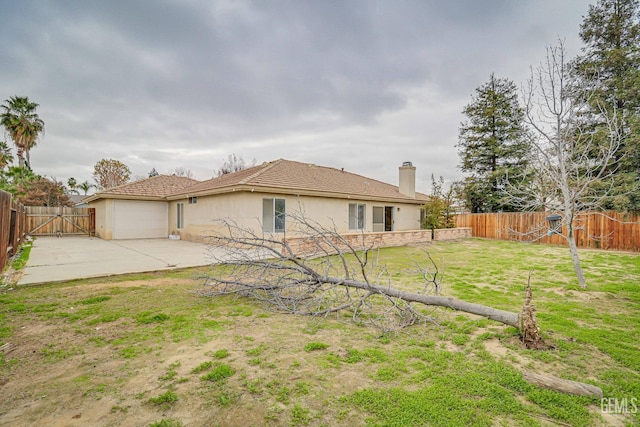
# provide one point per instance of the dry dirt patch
(72, 374)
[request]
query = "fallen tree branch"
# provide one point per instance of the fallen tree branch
(562, 385)
(321, 272)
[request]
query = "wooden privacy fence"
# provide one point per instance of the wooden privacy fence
(12, 227)
(60, 221)
(606, 230)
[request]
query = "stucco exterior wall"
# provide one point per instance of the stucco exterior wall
(245, 209)
(104, 218)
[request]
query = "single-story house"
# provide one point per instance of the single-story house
(258, 198)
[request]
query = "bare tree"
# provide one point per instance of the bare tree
(322, 272)
(234, 163)
(574, 165)
(110, 173)
(181, 171)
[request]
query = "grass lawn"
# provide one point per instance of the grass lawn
(146, 350)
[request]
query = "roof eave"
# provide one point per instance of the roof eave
(95, 197)
(294, 192)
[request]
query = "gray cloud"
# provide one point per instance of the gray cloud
(363, 84)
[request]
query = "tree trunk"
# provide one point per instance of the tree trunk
(573, 248)
(20, 154)
(505, 317)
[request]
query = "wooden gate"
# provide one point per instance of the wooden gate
(60, 221)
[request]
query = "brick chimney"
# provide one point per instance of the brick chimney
(407, 185)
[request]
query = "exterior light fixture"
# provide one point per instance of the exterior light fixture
(555, 224)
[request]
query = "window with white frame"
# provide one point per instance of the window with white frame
(180, 216)
(357, 216)
(273, 215)
(193, 200)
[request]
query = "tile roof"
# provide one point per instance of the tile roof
(295, 177)
(155, 187)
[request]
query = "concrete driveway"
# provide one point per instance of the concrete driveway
(67, 258)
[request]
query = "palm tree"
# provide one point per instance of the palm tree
(85, 186)
(22, 123)
(72, 184)
(5, 155)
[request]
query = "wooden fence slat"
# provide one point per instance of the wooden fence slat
(56, 221)
(605, 230)
(12, 227)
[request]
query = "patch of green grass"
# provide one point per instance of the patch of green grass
(458, 370)
(254, 386)
(300, 415)
(82, 379)
(227, 397)
(150, 317)
(353, 356)
(5, 332)
(387, 373)
(129, 352)
(301, 388)
(53, 353)
(98, 390)
(315, 346)
(167, 422)
(219, 373)
(282, 394)
(241, 310)
(460, 339)
(202, 367)
(97, 341)
(166, 399)
(375, 355)
(7, 363)
(273, 413)
(45, 307)
(24, 252)
(221, 354)
(256, 351)
(332, 360)
(95, 300)
(171, 372)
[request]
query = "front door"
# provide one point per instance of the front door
(388, 218)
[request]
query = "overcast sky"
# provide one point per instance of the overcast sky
(361, 85)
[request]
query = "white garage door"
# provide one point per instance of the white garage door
(140, 219)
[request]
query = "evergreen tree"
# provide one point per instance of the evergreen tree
(608, 74)
(493, 146)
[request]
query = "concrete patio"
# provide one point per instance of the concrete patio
(68, 258)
